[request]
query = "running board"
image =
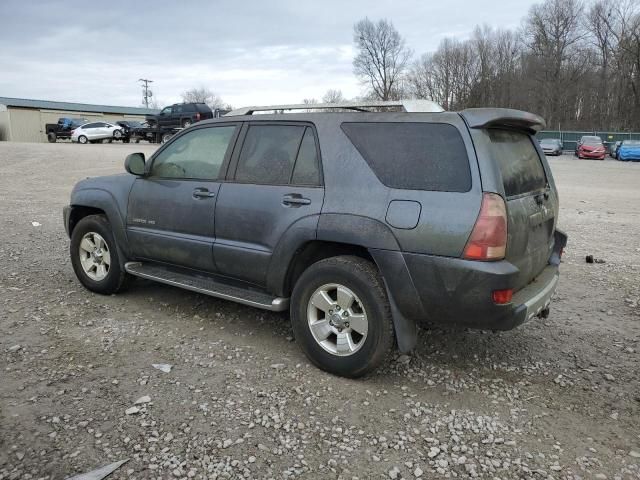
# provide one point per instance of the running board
(207, 286)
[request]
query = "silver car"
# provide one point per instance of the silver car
(90, 132)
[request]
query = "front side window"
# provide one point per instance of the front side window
(196, 154)
(166, 111)
(268, 154)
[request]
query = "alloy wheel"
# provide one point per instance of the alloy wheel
(95, 257)
(337, 319)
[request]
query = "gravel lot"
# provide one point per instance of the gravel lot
(553, 399)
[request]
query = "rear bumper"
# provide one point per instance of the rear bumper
(452, 291)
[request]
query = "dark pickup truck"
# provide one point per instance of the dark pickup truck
(63, 128)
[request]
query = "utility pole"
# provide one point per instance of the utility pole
(146, 92)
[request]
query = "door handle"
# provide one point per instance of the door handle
(295, 199)
(203, 193)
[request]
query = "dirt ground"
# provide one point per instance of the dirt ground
(553, 399)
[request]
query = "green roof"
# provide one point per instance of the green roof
(74, 107)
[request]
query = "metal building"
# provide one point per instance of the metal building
(24, 120)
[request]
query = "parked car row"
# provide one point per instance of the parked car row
(592, 147)
(156, 128)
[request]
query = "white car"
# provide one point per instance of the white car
(90, 132)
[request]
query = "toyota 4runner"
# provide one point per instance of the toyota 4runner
(362, 224)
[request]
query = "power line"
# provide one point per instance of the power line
(146, 91)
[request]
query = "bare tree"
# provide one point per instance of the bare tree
(576, 65)
(382, 57)
(553, 34)
(203, 95)
(333, 96)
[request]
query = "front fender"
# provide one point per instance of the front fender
(104, 200)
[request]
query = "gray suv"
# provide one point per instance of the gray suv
(362, 224)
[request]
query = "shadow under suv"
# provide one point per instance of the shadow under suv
(361, 224)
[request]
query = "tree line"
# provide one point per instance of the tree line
(576, 64)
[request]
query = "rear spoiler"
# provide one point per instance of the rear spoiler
(502, 117)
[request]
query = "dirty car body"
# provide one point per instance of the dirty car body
(420, 197)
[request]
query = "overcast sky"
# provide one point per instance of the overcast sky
(248, 52)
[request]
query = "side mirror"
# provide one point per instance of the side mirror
(134, 164)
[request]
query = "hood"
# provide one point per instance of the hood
(108, 183)
(591, 148)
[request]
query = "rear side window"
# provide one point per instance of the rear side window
(307, 171)
(413, 156)
(268, 154)
(518, 160)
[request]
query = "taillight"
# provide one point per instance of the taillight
(488, 240)
(502, 297)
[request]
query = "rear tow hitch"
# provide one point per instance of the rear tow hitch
(544, 313)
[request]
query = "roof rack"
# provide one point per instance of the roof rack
(406, 105)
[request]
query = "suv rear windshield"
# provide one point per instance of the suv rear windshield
(413, 156)
(518, 160)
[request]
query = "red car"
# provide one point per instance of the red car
(591, 147)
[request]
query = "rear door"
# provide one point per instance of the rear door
(275, 182)
(532, 202)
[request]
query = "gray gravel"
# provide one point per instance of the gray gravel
(554, 399)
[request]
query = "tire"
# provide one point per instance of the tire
(186, 123)
(83, 140)
(166, 137)
(117, 134)
(91, 228)
(364, 352)
(52, 137)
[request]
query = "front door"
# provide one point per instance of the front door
(277, 182)
(170, 215)
(164, 118)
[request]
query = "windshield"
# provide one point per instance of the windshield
(592, 141)
(628, 143)
(549, 141)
